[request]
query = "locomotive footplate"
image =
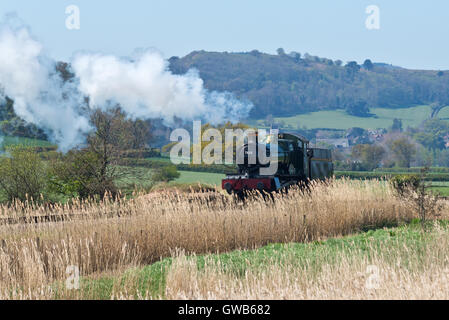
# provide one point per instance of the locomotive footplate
(237, 183)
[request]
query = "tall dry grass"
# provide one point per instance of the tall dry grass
(399, 272)
(114, 235)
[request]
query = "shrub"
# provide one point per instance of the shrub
(405, 182)
(80, 174)
(383, 175)
(412, 170)
(166, 173)
(23, 175)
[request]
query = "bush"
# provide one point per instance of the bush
(79, 174)
(405, 182)
(388, 175)
(156, 164)
(214, 168)
(166, 174)
(23, 175)
(413, 170)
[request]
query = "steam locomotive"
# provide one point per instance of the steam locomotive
(296, 163)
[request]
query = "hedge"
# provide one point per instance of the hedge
(207, 168)
(386, 175)
(413, 170)
(156, 164)
(142, 153)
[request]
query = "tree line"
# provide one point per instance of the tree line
(424, 145)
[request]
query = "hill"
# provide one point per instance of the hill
(289, 84)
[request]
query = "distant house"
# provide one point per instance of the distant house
(337, 143)
(376, 135)
(357, 136)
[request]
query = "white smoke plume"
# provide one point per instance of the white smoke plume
(142, 85)
(145, 88)
(40, 96)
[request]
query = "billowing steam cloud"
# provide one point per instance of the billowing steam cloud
(143, 86)
(40, 96)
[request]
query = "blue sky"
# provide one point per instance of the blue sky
(412, 34)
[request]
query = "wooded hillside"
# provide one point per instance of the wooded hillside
(290, 84)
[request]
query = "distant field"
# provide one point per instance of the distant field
(12, 141)
(440, 187)
(131, 178)
(339, 119)
(200, 177)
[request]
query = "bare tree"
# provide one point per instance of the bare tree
(93, 170)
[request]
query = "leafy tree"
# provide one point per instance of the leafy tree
(280, 52)
(397, 125)
(296, 56)
(368, 65)
(358, 109)
(370, 155)
(373, 155)
(222, 129)
(352, 66)
(432, 133)
(357, 151)
(403, 150)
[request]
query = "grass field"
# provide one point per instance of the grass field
(140, 178)
(134, 178)
(339, 119)
(190, 177)
(12, 141)
(440, 187)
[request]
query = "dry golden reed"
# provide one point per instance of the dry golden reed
(393, 273)
(115, 235)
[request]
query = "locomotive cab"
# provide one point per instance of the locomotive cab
(292, 154)
(296, 163)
